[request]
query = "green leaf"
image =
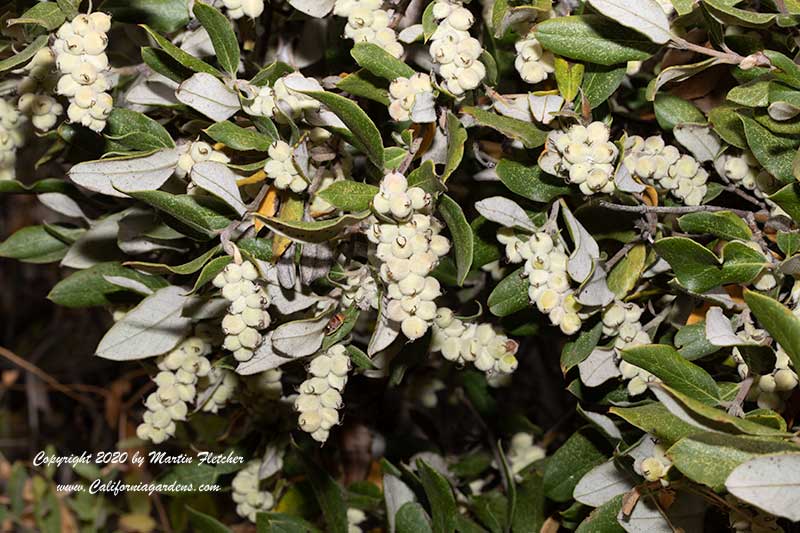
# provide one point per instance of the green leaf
(717, 418)
(575, 352)
(26, 54)
(425, 178)
(510, 295)
(161, 15)
(412, 518)
(186, 268)
(37, 187)
(429, 24)
(359, 358)
(529, 512)
(461, 233)
(699, 270)
(196, 474)
(312, 232)
(672, 110)
(775, 153)
(666, 363)
(161, 62)
(604, 518)
(594, 39)
(70, 7)
(349, 195)
(271, 73)
(779, 321)
(259, 248)
(722, 224)
(282, 523)
(530, 182)
(568, 77)
(725, 12)
(89, 288)
(184, 58)
(205, 523)
(525, 132)
(210, 270)
(186, 209)
(223, 38)
(655, 419)
(239, 138)
(727, 125)
(394, 156)
(485, 248)
(708, 458)
(693, 343)
(440, 498)
(600, 82)
(625, 274)
(379, 62)
(788, 242)
(363, 84)
(751, 94)
(364, 131)
(568, 465)
(788, 198)
(137, 131)
(329, 496)
(45, 14)
(456, 137)
(784, 68)
(35, 244)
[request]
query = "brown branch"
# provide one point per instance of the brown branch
(44, 376)
(680, 210)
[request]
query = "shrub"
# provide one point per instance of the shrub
(346, 239)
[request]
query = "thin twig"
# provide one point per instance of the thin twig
(752, 199)
(619, 255)
(44, 376)
(679, 210)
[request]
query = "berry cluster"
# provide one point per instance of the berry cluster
(403, 94)
(360, 289)
(546, 269)
(281, 168)
(622, 321)
(10, 139)
(247, 493)
(279, 102)
(583, 155)
(409, 249)
(742, 169)
(217, 389)
(80, 56)
(522, 452)
(368, 23)
(177, 382)
(196, 152)
(34, 100)
(247, 313)
(533, 63)
(320, 396)
(455, 51)
(237, 9)
(771, 390)
(480, 344)
(662, 165)
(656, 467)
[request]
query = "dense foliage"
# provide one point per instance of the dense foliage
(347, 239)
